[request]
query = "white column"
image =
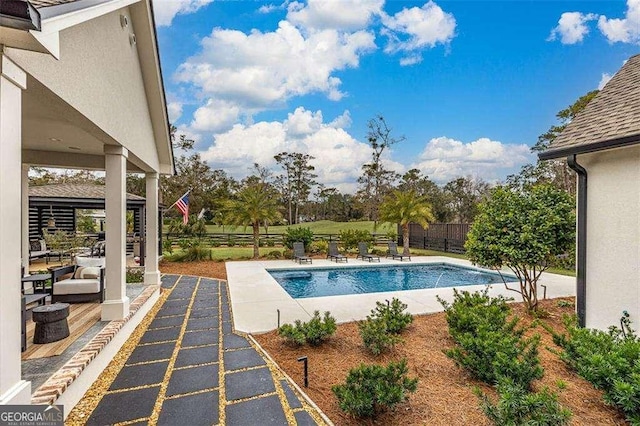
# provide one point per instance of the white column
(25, 217)
(151, 272)
(116, 303)
(13, 390)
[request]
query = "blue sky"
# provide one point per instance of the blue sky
(469, 84)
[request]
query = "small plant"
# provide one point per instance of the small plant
(351, 237)
(376, 336)
(293, 235)
(565, 304)
(371, 389)
(393, 315)
(274, 254)
(134, 275)
(517, 406)
(319, 247)
(167, 245)
(269, 242)
(313, 332)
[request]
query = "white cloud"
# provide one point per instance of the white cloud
(415, 29)
(338, 156)
(348, 15)
(444, 159)
(165, 10)
(572, 27)
(259, 70)
(626, 30)
(604, 80)
(267, 8)
(174, 109)
(215, 116)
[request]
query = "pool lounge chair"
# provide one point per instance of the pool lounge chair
(298, 253)
(363, 253)
(334, 254)
(392, 252)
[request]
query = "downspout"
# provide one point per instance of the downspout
(581, 261)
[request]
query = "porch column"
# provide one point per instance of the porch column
(13, 80)
(25, 217)
(151, 272)
(116, 303)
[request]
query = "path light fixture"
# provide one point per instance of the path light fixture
(306, 370)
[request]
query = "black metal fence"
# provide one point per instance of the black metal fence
(448, 237)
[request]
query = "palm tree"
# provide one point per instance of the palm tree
(254, 204)
(404, 207)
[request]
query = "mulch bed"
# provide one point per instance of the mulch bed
(445, 392)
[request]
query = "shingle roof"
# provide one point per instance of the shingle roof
(70, 190)
(611, 119)
(46, 3)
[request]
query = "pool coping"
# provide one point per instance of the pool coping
(259, 302)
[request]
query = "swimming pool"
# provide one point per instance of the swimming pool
(372, 279)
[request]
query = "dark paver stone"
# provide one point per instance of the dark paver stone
(197, 356)
(205, 304)
(160, 335)
(227, 328)
(151, 352)
(236, 360)
(226, 315)
(197, 338)
(173, 310)
(263, 411)
(172, 303)
(139, 404)
(292, 399)
(304, 419)
(169, 281)
(245, 384)
(140, 375)
(167, 322)
(193, 379)
(191, 410)
(204, 313)
(233, 341)
(202, 323)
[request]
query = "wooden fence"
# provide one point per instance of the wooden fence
(448, 237)
(266, 240)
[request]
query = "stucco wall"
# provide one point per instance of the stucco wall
(99, 75)
(613, 236)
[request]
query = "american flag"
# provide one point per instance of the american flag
(183, 205)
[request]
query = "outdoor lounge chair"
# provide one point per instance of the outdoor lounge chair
(392, 252)
(363, 253)
(83, 282)
(334, 254)
(298, 253)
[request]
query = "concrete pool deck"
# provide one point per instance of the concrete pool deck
(256, 296)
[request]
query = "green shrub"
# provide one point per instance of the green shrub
(489, 345)
(231, 242)
(313, 332)
(192, 250)
(376, 336)
(319, 247)
(167, 245)
(351, 237)
(371, 389)
(293, 235)
(215, 244)
(274, 254)
(517, 406)
(135, 275)
(610, 360)
(269, 242)
(393, 315)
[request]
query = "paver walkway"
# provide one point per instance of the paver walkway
(190, 368)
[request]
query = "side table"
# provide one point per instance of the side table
(51, 323)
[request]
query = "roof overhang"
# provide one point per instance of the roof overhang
(20, 15)
(592, 147)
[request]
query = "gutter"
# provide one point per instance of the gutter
(581, 249)
(591, 147)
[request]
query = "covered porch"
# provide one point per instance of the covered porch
(78, 94)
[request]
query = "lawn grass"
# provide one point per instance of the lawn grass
(319, 227)
(232, 253)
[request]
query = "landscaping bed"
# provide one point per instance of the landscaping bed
(445, 392)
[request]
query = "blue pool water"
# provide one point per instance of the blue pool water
(339, 281)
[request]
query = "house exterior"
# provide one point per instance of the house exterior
(602, 144)
(80, 87)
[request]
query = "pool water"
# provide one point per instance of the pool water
(340, 281)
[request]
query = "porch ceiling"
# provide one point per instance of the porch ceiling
(56, 135)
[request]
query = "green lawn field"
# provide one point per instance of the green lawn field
(319, 227)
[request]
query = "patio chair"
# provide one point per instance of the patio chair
(83, 282)
(334, 254)
(298, 253)
(363, 253)
(392, 252)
